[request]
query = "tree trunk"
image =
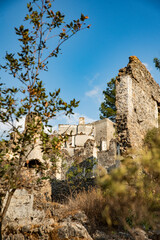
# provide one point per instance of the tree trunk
(0, 230)
(4, 210)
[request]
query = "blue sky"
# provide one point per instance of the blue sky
(119, 29)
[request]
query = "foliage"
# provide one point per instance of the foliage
(82, 170)
(30, 97)
(151, 137)
(157, 63)
(108, 108)
(133, 191)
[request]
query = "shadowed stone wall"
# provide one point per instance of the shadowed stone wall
(137, 101)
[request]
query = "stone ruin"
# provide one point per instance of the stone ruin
(29, 202)
(35, 153)
(86, 141)
(137, 103)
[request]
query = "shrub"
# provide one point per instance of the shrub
(129, 196)
(151, 136)
(133, 191)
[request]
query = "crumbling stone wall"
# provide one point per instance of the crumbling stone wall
(29, 203)
(34, 150)
(104, 130)
(110, 155)
(80, 155)
(137, 101)
(88, 140)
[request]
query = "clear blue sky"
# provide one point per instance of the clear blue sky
(119, 29)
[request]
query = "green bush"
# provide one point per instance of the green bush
(132, 191)
(151, 137)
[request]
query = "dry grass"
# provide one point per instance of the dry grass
(92, 203)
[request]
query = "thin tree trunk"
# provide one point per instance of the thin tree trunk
(0, 230)
(4, 210)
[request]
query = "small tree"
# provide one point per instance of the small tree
(108, 108)
(157, 63)
(30, 96)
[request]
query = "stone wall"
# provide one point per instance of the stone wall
(88, 140)
(80, 154)
(34, 150)
(104, 131)
(101, 130)
(110, 155)
(137, 101)
(29, 202)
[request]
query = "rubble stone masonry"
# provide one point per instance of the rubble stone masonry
(137, 101)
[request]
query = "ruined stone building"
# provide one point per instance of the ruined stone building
(85, 141)
(137, 103)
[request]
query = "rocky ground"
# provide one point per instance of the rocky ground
(62, 224)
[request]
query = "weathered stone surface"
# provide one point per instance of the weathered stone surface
(137, 101)
(140, 234)
(18, 236)
(73, 226)
(68, 225)
(111, 235)
(107, 158)
(36, 152)
(21, 209)
(99, 235)
(71, 230)
(29, 203)
(104, 131)
(28, 232)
